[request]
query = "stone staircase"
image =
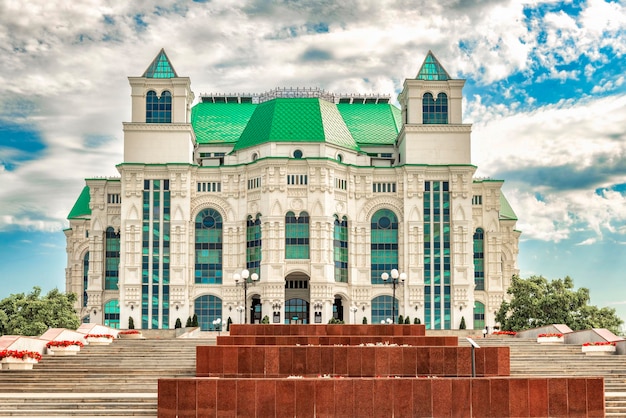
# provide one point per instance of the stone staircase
(115, 380)
(120, 380)
(528, 358)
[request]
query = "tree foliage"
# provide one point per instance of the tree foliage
(536, 302)
(32, 314)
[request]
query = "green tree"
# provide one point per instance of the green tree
(407, 321)
(194, 320)
(178, 324)
(188, 323)
(32, 314)
(400, 319)
(365, 320)
(131, 323)
(536, 302)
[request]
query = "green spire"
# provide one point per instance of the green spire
(161, 67)
(431, 70)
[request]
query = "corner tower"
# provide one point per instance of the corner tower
(432, 129)
(160, 129)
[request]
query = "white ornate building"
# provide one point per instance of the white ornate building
(316, 194)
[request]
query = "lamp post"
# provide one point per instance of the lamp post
(243, 280)
(353, 309)
(396, 278)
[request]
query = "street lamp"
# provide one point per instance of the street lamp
(353, 309)
(396, 278)
(243, 280)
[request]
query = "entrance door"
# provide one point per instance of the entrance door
(296, 311)
(256, 310)
(338, 309)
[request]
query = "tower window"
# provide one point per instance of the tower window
(435, 111)
(159, 109)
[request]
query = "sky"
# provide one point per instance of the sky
(545, 92)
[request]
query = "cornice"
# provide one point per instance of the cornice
(155, 127)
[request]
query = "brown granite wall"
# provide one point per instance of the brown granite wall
(353, 361)
(326, 329)
(337, 340)
(382, 397)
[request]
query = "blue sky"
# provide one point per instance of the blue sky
(545, 91)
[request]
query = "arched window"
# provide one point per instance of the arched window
(296, 311)
(208, 308)
(340, 249)
(85, 277)
(208, 260)
(479, 260)
(479, 315)
(159, 109)
(297, 236)
(253, 245)
(112, 313)
(112, 259)
(382, 308)
(384, 246)
(435, 111)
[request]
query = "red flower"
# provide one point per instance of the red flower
(504, 333)
(20, 354)
(99, 336)
(550, 335)
(63, 343)
(130, 332)
(598, 343)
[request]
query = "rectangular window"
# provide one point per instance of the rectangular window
(254, 183)
(114, 198)
(477, 200)
(384, 187)
(297, 179)
(209, 187)
(341, 184)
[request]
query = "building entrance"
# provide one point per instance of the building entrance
(297, 298)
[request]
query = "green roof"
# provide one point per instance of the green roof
(506, 211)
(81, 209)
(220, 122)
(161, 67)
(296, 120)
(432, 70)
(372, 124)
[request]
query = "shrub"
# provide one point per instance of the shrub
(188, 324)
(407, 321)
(131, 323)
(179, 324)
(194, 320)
(400, 319)
(417, 321)
(265, 320)
(365, 320)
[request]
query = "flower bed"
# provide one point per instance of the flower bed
(131, 334)
(598, 348)
(99, 339)
(64, 348)
(550, 338)
(512, 333)
(18, 360)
